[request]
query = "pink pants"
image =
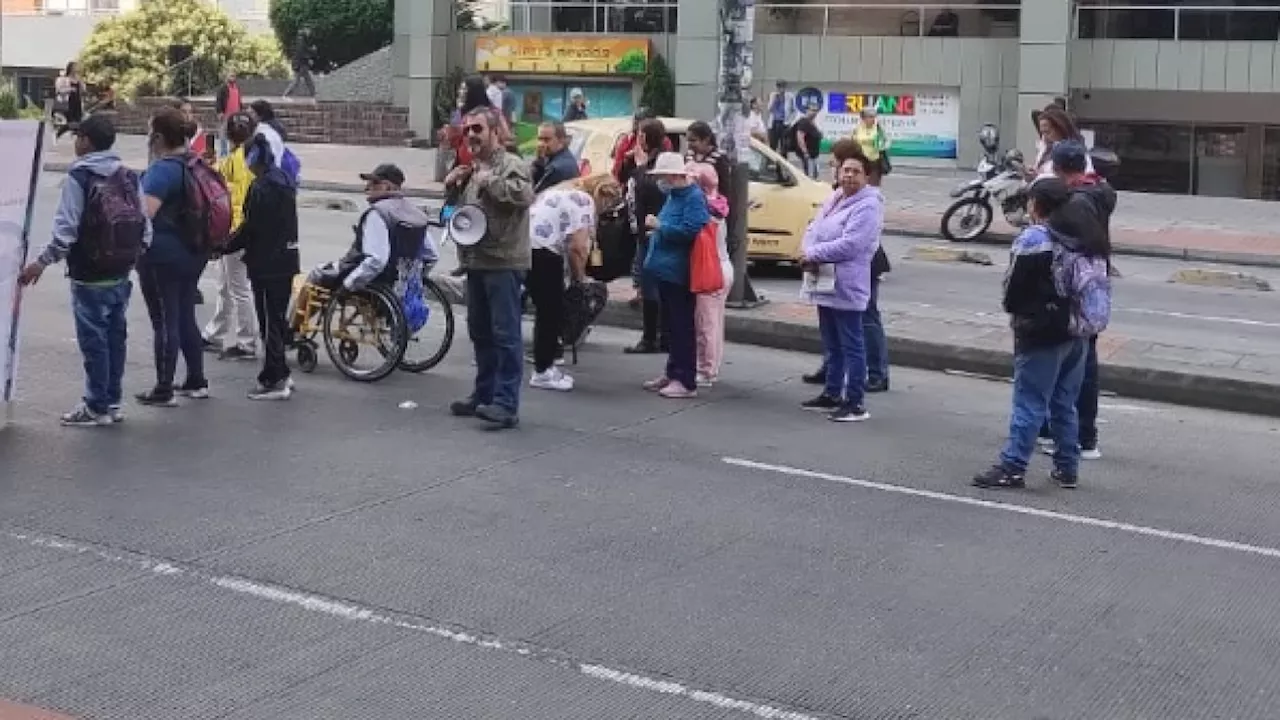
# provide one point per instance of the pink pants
(708, 318)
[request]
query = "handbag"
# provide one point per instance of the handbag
(705, 273)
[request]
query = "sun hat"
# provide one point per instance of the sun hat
(669, 163)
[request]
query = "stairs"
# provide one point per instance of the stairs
(306, 121)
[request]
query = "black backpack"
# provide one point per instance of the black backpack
(113, 223)
(615, 246)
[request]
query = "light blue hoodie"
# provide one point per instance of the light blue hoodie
(66, 219)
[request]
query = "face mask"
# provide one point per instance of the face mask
(664, 186)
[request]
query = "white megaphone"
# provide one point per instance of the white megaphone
(468, 225)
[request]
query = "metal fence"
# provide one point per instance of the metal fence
(1177, 22)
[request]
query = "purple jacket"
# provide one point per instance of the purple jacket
(846, 233)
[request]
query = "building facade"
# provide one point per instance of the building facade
(1188, 93)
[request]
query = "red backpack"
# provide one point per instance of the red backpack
(208, 205)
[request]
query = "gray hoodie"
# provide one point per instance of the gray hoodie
(66, 219)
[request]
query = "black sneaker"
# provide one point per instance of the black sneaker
(878, 386)
(1066, 480)
(999, 477)
(815, 378)
(82, 416)
(822, 403)
(463, 408)
(236, 353)
(195, 391)
(849, 413)
(499, 418)
(155, 398)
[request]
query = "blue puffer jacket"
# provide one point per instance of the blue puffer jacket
(683, 216)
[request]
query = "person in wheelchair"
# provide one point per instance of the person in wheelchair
(391, 234)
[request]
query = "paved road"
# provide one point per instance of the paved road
(621, 556)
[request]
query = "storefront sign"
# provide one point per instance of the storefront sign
(20, 144)
(924, 124)
(562, 55)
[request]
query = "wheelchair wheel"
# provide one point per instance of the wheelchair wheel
(307, 357)
(370, 318)
(429, 345)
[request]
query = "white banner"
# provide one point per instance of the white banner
(21, 146)
(923, 124)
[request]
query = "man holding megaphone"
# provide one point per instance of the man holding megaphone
(499, 184)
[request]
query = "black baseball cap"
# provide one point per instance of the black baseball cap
(98, 130)
(385, 172)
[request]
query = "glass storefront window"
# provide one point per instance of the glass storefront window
(1153, 157)
(1271, 163)
(1220, 162)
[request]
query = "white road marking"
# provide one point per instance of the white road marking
(1204, 541)
(1206, 318)
(353, 612)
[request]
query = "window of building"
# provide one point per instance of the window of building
(594, 16)
(1243, 20)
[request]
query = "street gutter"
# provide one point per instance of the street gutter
(1179, 388)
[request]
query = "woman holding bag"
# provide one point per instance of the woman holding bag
(841, 240)
(666, 266)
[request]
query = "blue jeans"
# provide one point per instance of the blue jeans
(1046, 383)
(877, 343)
(493, 322)
(170, 294)
(102, 333)
(844, 354)
(678, 305)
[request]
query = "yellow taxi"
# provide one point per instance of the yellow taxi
(782, 198)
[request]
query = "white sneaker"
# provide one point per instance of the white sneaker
(279, 392)
(1090, 454)
(706, 380)
(552, 379)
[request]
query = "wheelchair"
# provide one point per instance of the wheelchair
(370, 333)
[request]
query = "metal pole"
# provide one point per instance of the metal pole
(737, 27)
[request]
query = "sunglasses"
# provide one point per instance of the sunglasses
(475, 129)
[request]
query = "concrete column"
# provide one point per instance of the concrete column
(697, 59)
(419, 57)
(1044, 49)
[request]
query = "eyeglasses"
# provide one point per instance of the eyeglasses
(476, 129)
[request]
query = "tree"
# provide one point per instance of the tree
(659, 91)
(130, 53)
(341, 30)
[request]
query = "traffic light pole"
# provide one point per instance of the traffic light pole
(737, 31)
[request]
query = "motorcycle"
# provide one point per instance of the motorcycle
(1001, 179)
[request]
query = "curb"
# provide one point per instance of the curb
(1159, 252)
(1178, 388)
(1002, 239)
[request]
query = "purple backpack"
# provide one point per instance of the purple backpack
(113, 224)
(1085, 282)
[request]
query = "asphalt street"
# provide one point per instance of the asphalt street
(619, 555)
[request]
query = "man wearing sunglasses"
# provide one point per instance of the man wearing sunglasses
(498, 182)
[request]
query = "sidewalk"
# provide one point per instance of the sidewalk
(1243, 232)
(942, 340)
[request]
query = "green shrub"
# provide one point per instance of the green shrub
(659, 91)
(341, 30)
(129, 53)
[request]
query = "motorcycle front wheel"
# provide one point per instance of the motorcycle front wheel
(967, 219)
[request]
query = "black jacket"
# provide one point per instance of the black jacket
(551, 171)
(644, 197)
(269, 233)
(1086, 218)
(1038, 315)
